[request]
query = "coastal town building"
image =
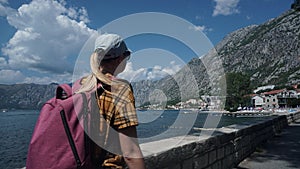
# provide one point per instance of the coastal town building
(257, 101)
(264, 88)
(274, 99)
(268, 98)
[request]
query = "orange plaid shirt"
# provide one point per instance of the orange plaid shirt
(117, 105)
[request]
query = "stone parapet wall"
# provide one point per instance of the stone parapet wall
(226, 148)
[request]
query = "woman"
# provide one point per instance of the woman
(116, 101)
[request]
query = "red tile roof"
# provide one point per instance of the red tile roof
(273, 92)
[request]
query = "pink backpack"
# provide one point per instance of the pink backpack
(59, 140)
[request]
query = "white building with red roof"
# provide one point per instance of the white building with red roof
(274, 99)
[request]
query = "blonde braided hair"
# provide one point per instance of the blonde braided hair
(90, 82)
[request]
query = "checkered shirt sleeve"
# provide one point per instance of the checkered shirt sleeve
(118, 106)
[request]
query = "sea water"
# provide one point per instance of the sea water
(16, 127)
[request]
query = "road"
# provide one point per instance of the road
(281, 152)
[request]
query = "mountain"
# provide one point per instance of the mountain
(183, 85)
(269, 53)
(25, 96)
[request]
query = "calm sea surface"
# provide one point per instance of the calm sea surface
(17, 126)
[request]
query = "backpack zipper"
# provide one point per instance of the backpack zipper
(71, 141)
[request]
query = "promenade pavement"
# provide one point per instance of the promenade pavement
(281, 152)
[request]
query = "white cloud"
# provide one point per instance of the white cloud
(4, 9)
(132, 75)
(197, 28)
(48, 35)
(3, 63)
(48, 79)
(198, 17)
(78, 14)
(172, 69)
(10, 76)
(83, 15)
(4, 1)
(226, 7)
(203, 28)
(154, 73)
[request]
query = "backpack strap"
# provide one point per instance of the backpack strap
(86, 123)
(63, 91)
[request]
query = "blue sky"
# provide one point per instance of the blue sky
(42, 40)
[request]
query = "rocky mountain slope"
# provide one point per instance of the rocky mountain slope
(269, 53)
(25, 96)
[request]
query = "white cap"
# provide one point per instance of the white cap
(112, 43)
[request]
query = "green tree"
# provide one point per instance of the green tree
(293, 102)
(238, 86)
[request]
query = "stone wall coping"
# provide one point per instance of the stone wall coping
(160, 146)
(206, 137)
